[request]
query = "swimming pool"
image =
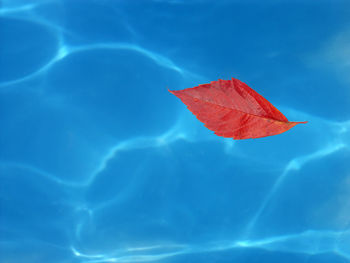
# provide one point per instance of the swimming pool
(100, 163)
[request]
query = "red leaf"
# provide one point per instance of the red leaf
(232, 109)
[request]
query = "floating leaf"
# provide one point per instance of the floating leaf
(232, 109)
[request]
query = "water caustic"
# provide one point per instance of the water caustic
(99, 163)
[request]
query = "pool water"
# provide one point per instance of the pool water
(100, 163)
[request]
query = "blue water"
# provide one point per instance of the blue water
(100, 163)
